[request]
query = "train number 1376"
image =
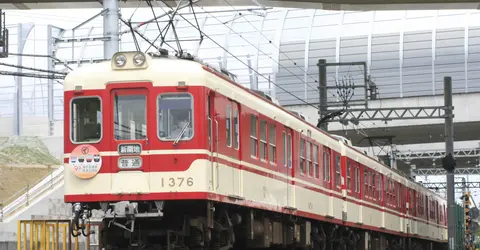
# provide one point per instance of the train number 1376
(177, 182)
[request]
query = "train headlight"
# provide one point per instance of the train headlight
(130, 60)
(120, 60)
(139, 59)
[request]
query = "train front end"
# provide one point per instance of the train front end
(134, 148)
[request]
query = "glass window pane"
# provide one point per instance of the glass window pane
(227, 126)
(130, 117)
(235, 129)
(175, 116)
(86, 123)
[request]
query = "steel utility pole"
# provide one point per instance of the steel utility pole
(322, 111)
(111, 28)
(449, 162)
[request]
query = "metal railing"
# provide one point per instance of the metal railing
(24, 197)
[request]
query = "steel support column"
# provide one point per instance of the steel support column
(22, 33)
(111, 28)
(50, 68)
(452, 227)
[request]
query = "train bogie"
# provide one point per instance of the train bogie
(178, 155)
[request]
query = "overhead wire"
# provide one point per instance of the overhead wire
(266, 53)
(251, 68)
(226, 50)
(288, 92)
(359, 129)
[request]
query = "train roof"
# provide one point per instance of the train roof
(170, 69)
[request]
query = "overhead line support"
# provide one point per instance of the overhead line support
(386, 114)
(440, 171)
(443, 185)
(435, 154)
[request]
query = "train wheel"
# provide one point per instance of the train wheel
(319, 239)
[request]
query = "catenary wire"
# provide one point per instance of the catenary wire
(288, 92)
(264, 52)
(276, 47)
(358, 129)
(266, 78)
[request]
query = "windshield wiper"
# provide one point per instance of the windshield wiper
(181, 134)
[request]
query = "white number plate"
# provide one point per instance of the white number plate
(129, 162)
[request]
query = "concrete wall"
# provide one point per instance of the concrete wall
(32, 126)
(11, 245)
(54, 145)
(52, 205)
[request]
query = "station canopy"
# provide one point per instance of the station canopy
(352, 5)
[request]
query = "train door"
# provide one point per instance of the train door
(235, 149)
(213, 140)
(290, 169)
(130, 138)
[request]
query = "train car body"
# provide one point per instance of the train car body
(197, 161)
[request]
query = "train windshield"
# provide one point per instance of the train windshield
(130, 117)
(175, 116)
(86, 120)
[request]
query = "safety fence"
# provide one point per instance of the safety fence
(55, 235)
(26, 196)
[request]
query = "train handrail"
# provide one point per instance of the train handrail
(29, 194)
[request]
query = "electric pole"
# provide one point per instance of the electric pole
(449, 162)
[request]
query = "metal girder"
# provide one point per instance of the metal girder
(443, 185)
(85, 39)
(33, 75)
(80, 61)
(441, 171)
(429, 154)
(385, 114)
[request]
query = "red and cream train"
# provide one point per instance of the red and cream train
(179, 156)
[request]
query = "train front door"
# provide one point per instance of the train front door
(130, 138)
(235, 149)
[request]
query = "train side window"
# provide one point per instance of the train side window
(228, 128)
(263, 140)
(253, 136)
(236, 132)
(284, 149)
(365, 177)
(326, 165)
(380, 188)
(272, 154)
(374, 190)
(175, 116)
(337, 170)
(316, 171)
(309, 159)
(302, 156)
(356, 176)
(86, 120)
(289, 151)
